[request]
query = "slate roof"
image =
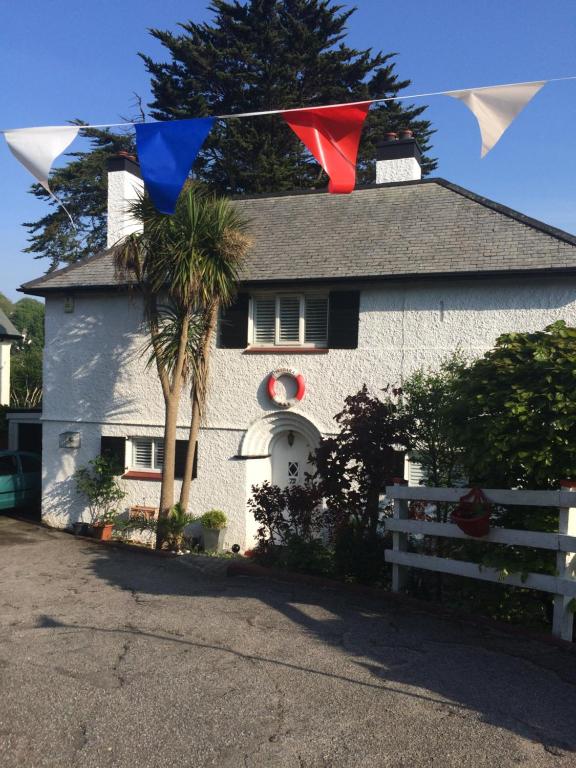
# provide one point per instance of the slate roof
(7, 331)
(423, 228)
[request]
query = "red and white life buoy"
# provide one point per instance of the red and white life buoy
(300, 387)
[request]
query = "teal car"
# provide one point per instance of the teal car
(20, 479)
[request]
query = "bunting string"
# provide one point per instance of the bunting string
(331, 132)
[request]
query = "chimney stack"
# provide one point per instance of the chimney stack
(125, 185)
(398, 158)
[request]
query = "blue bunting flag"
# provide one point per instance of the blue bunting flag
(166, 151)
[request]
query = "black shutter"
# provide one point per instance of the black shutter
(180, 461)
(343, 319)
(234, 324)
(114, 448)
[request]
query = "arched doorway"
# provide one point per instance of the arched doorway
(276, 448)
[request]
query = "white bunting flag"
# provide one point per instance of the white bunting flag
(37, 148)
(496, 107)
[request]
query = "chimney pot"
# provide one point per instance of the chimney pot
(390, 136)
(399, 159)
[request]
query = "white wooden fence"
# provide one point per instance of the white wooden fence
(562, 586)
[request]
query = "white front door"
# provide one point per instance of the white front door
(290, 452)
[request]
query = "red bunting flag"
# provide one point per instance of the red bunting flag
(332, 135)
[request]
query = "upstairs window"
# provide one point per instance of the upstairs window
(289, 320)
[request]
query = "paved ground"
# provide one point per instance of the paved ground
(112, 658)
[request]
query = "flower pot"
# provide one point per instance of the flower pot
(473, 526)
(81, 529)
(103, 532)
(213, 539)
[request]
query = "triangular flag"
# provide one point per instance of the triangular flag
(332, 135)
(495, 108)
(166, 152)
(37, 148)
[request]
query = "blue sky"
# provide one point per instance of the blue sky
(61, 59)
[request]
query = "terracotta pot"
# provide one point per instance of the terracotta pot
(103, 532)
(473, 526)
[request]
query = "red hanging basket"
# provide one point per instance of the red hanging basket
(472, 515)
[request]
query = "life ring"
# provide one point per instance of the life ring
(271, 385)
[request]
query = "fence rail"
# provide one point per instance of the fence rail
(563, 542)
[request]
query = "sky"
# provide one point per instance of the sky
(62, 59)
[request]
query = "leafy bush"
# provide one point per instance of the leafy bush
(306, 555)
(214, 518)
(98, 482)
(518, 410)
(354, 466)
(432, 409)
(359, 557)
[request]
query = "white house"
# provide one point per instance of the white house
(342, 289)
(8, 335)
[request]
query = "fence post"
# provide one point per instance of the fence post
(563, 620)
(399, 540)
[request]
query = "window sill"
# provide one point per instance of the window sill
(135, 475)
(286, 350)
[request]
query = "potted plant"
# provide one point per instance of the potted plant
(213, 530)
(98, 482)
(472, 515)
(172, 526)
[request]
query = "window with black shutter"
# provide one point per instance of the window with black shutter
(180, 461)
(233, 328)
(114, 449)
(343, 318)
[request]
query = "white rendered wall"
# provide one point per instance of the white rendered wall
(401, 169)
(5, 372)
(96, 382)
(123, 188)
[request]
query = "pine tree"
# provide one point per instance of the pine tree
(82, 187)
(253, 55)
(269, 54)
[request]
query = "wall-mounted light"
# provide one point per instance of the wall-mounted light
(290, 438)
(69, 440)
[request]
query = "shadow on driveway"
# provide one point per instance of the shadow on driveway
(520, 685)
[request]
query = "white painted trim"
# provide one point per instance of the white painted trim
(538, 581)
(554, 541)
(259, 435)
(495, 495)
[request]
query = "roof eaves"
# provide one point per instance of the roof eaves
(32, 284)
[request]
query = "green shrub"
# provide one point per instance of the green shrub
(98, 483)
(359, 556)
(214, 518)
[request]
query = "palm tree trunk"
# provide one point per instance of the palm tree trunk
(199, 390)
(172, 406)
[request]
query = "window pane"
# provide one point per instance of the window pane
(159, 458)
(316, 328)
(143, 453)
(289, 319)
(264, 320)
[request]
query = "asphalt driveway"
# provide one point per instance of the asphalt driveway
(113, 658)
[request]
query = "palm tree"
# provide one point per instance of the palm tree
(186, 267)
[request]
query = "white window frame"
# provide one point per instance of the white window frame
(132, 466)
(302, 321)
